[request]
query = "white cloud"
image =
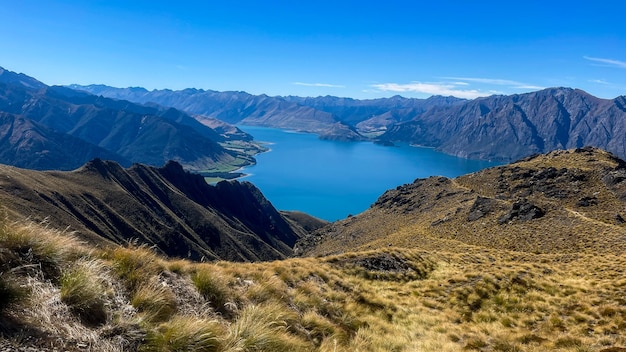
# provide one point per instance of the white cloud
(318, 85)
(529, 86)
(607, 62)
(495, 81)
(458, 86)
(436, 88)
(599, 81)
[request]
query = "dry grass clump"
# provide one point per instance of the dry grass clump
(214, 288)
(134, 264)
(182, 333)
(11, 292)
(264, 328)
(155, 300)
(23, 246)
(29, 249)
(83, 291)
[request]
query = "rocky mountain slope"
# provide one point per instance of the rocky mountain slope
(374, 115)
(62, 121)
(27, 144)
(510, 127)
(562, 202)
(171, 209)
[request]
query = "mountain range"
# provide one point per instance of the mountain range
(500, 127)
(509, 127)
(526, 256)
(59, 128)
(330, 117)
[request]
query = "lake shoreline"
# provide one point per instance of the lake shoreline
(331, 180)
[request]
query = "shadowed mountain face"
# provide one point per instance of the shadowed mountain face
(169, 208)
(27, 144)
(69, 128)
(506, 128)
(562, 202)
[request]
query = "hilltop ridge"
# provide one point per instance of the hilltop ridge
(169, 208)
(561, 202)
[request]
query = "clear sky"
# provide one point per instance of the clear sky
(360, 49)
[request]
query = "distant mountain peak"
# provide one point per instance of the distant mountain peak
(11, 77)
(102, 167)
(173, 167)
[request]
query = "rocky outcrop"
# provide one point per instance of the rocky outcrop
(481, 207)
(522, 210)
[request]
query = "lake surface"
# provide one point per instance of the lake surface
(331, 180)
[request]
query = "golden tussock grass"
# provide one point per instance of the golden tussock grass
(390, 299)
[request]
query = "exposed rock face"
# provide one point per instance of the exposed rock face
(510, 127)
(481, 207)
(174, 210)
(522, 210)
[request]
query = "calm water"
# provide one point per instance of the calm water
(331, 180)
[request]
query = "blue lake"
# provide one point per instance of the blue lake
(331, 180)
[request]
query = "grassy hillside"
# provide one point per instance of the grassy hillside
(175, 211)
(562, 202)
(525, 257)
(57, 293)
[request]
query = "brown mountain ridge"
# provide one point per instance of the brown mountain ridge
(169, 208)
(562, 202)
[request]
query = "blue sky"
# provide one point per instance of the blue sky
(360, 49)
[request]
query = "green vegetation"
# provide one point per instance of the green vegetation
(245, 152)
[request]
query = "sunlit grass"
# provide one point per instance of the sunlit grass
(390, 299)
